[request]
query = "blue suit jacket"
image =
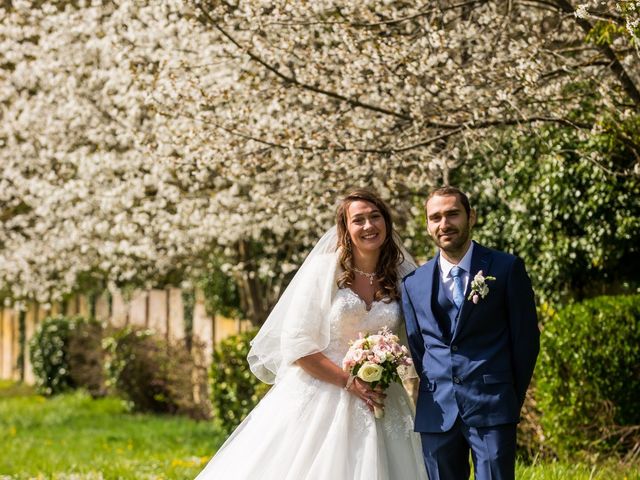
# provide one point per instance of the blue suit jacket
(482, 369)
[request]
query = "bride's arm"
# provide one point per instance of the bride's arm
(319, 366)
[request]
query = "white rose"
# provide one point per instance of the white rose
(370, 372)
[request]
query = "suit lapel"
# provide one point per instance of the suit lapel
(426, 282)
(480, 260)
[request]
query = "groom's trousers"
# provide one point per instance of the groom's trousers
(493, 450)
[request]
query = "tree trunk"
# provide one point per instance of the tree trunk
(250, 287)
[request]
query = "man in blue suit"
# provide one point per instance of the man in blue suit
(473, 334)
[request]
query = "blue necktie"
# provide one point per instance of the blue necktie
(458, 291)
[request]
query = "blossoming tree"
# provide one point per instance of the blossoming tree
(138, 137)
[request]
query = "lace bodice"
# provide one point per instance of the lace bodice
(349, 317)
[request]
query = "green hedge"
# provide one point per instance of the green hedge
(156, 375)
(66, 353)
(86, 357)
(49, 354)
(235, 391)
(589, 376)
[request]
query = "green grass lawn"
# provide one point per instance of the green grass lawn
(556, 471)
(73, 434)
(74, 437)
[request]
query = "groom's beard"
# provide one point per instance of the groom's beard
(457, 243)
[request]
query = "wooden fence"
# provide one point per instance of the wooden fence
(160, 310)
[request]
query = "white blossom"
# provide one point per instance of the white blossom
(140, 136)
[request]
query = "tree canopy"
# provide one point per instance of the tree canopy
(139, 138)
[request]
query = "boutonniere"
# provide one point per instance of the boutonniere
(479, 287)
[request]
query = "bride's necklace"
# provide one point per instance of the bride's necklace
(370, 276)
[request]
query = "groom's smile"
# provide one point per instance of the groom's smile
(448, 234)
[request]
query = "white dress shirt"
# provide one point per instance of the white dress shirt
(446, 279)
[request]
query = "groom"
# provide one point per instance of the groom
(473, 334)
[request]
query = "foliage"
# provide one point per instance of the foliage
(156, 375)
(611, 26)
(552, 200)
(235, 391)
(49, 352)
(129, 154)
(588, 377)
(220, 290)
(66, 353)
(86, 357)
(72, 436)
(530, 441)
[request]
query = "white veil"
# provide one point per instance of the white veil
(299, 323)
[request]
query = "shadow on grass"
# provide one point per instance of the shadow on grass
(15, 389)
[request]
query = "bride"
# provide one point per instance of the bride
(317, 422)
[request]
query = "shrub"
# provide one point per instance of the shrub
(531, 444)
(235, 391)
(66, 353)
(86, 357)
(588, 376)
(49, 355)
(156, 375)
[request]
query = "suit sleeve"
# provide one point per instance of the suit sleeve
(523, 327)
(416, 344)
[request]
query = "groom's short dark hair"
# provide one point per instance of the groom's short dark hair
(448, 190)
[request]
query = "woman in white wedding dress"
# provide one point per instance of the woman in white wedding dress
(317, 422)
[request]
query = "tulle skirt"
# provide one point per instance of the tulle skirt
(306, 429)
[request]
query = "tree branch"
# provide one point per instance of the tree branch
(451, 129)
(616, 67)
(291, 80)
(422, 11)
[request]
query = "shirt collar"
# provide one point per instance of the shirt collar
(465, 263)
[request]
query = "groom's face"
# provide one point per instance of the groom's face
(448, 222)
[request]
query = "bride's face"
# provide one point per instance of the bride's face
(366, 226)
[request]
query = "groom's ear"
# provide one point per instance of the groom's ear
(472, 217)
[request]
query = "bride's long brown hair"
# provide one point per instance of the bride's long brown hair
(390, 255)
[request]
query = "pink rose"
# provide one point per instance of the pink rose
(357, 355)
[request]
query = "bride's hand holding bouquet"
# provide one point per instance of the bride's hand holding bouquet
(377, 360)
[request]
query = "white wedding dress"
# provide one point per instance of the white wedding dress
(307, 429)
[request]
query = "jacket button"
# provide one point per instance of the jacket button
(454, 348)
(457, 380)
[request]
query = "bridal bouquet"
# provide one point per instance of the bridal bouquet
(379, 360)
